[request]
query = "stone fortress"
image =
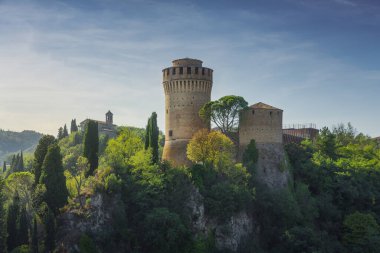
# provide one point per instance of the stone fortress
(187, 85)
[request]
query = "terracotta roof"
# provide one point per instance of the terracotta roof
(261, 105)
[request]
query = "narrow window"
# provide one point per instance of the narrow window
(173, 71)
(188, 70)
(181, 70)
(196, 70)
(253, 111)
(203, 71)
(270, 113)
(167, 72)
(170, 133)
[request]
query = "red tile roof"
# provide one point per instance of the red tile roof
(261, 105)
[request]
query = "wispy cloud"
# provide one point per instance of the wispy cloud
(345, 2)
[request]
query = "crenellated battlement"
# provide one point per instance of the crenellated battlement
(187, 62)
(187, 72)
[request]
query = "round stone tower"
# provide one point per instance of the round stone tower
(187, 87)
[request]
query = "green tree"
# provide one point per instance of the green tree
(65, 133)
(39, 155)
(151, 136)
(34, 246)
(86, 245)
(12, 216)
(13, 162)
(164, 232)
(91, 146)
(119, 151)
(362, 233)
(73, 126)
(103, 141)
(224, 113)
(22, 183)
(3, 221)
(23, 227)
(16, 164)
(250, 155)
(54, 179)
(21, 162)
(326, 143)
(60, 133)
(77, 174)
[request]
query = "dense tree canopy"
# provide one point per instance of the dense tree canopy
(330, 205)
(224, 113)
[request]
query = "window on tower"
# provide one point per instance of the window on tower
(203, 71)
(170, 133)
(173, 71)
(196, 70)
(181, 70)
(188, 70)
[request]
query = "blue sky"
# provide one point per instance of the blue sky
(318, 60)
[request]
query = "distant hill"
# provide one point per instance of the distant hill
(11, 142)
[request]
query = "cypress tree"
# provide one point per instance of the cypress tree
(13, 162)
(12, 215)
(54, 179)
(39, 155)
(20, 164)
(4, 166)
(73, 127)
(34, 246)
(91, 145)
(65, 133)
(151, 136)
(147, 133)
(16, 165)
(23, 228)
(60, 133)
(3, 224)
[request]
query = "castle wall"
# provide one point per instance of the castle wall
(187, 86)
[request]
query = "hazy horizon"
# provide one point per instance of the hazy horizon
(59, 60)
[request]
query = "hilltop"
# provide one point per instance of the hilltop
(11, 142)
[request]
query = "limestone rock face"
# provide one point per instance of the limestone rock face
(95, 219)
(228, 235)
(272, 166)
